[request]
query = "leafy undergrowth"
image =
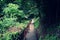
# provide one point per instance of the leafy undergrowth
(36, 23)
(49, 37)
(13, 32)
(9, 36)
(14, 19)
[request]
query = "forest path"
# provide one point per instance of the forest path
(31, 35)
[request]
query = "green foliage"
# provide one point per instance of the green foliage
(18, 0)
(16, 16)
(49, 37)
(12, 10)
(36, 23)
(6, 23)
(2, 1)
(10, 18)
(9, 36)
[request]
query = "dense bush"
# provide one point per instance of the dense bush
(11, 16)
(14, 16)
(12, 10)
(9, 36)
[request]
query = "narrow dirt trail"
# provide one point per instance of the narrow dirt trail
(31, 35)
